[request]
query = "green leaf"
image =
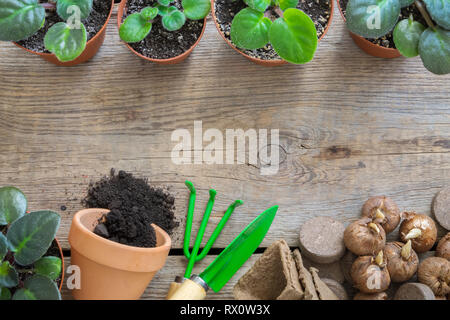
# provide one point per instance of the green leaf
(434, 50)
(372, 18)
(406, 37)
(31, 236)
(38, 288)
(173, 20)
(149, 13)
(8, 275)
(259, 5)
(49, 267)
(196, 9)
(250, 29)
(3, 246)
(20, 19)
(135, 28)
(162, 10)
(294, 37)
(13, 205)
(440, 12)
(64, 42)
(406, 3)
(286, 4)
(78, 9)
(5, 294)
(164, 3)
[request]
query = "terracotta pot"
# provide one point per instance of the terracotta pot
(62, 265)
(266, 63)
(174, 60)
(92, 47)
(110, 270)
(370, 47)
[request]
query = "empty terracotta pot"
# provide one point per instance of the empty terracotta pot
(370, 47)
(174, 60)
(110, 270)
(92, 47)
(266, 63)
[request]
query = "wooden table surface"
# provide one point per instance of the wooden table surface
(350, 126)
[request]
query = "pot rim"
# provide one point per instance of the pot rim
(179, 58)
(258, 60)
(45, 54)
(88, 233)
(391, 50)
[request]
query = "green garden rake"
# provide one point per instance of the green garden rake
(194, 256)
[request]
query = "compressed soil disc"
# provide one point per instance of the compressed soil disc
(441, 207)
(414, 291)
(322, 240)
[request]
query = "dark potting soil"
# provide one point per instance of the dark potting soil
(318, 10)
(93, 24)
(133, 205)
(388, 40)
(160, 43)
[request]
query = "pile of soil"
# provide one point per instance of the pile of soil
(160, 43)
(93, 24)
(225, 10)
(133, 205)
(388, 40)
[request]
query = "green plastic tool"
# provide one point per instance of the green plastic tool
(194, 256)
(229, 261)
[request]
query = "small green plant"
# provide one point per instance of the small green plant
(20, 19)
(25, 274)
(376, 18)
(138, 25)
(292, 35)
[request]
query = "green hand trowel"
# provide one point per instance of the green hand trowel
(229, 261)
(194, 256)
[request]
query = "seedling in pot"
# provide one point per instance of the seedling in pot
(20, 19)
(137, 26)
(376, 18)
(25, 273)
(292, 33)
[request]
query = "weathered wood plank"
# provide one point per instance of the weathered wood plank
(350, 126)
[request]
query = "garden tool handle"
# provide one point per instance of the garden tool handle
(174, 286)
(190, 290)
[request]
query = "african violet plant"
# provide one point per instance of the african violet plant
(137, 26)
(20, 19)
(376, 18)
(292, 34)
(25, 273)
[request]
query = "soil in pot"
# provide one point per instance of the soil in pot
(134, 205)
(387, 41)
(225, 10)
(93, 24)
(160, 43)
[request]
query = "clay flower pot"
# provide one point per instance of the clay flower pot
(92, 47)
(110, 270)
(174, 60)
(266, 63)
(370, 47)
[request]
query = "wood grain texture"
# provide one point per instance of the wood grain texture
(350, 126)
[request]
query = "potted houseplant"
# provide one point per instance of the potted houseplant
(64, 32)
(162, 31)
(112, 270)
(413, 27)
(31, 259)
(273, 32)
